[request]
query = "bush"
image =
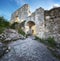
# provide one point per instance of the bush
(14, 25)
(2, 29)
(21, 32)
(51, 42)
(40, 39)
(3, 24)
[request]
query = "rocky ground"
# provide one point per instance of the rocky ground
(28, 50)
(9, 35)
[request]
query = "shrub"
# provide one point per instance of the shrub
(40, 39)
(3, 24)
(1, 29)
(21, 32)
(14, 25)
(51, 42)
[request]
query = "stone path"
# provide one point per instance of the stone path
(28, 50)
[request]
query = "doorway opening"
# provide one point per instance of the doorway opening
(32, 27)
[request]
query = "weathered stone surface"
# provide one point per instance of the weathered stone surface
(21, 14)
(37, 17)
(10, 35)
(28, 50)
(52, 24)
(3, 49)
(47, 22)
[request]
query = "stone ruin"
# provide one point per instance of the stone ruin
(47, 22)
(52, 23)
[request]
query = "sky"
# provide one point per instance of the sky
(7, 7)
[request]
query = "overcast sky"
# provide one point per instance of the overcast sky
(7, 7)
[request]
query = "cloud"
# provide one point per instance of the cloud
(20, 2)
(51, 4)
(46, 4)
(56, 5)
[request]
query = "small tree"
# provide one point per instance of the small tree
(3, 24)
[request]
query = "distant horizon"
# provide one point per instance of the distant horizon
(7, 7)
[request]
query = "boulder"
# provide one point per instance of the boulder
(3, 49)
(10, 34)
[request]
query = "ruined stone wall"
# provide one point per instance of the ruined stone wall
(22, 13)
(52, 23)
(38, 18)
(47, 22)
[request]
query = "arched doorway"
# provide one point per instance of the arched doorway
(32, 27)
